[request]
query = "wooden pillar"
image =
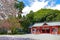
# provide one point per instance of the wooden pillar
(40, 29)
(50, 30)
(37, 30)
(58, 29)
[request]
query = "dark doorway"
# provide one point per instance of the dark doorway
(43, 31)
(46, 30)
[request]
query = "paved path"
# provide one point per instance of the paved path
(30, 37)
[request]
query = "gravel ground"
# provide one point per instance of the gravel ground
(30, 37)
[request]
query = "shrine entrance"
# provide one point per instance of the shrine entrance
(45, 30)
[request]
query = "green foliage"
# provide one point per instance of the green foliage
(27, 20)
(19, 6)
(25, 25)
(46, 15)
(30, 16)
(19, 16)
(14, 23)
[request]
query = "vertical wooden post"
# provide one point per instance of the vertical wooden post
(50, 30)
(40, 29)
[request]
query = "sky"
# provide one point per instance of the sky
(36, 5)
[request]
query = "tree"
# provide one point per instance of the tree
(14, 23)
(27, 21)
(19, 6)
(30, 17)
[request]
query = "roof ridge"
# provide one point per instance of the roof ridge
(46, 22)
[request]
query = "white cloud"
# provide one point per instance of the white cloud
(36, 5)
(56, 7)
(26, 10)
